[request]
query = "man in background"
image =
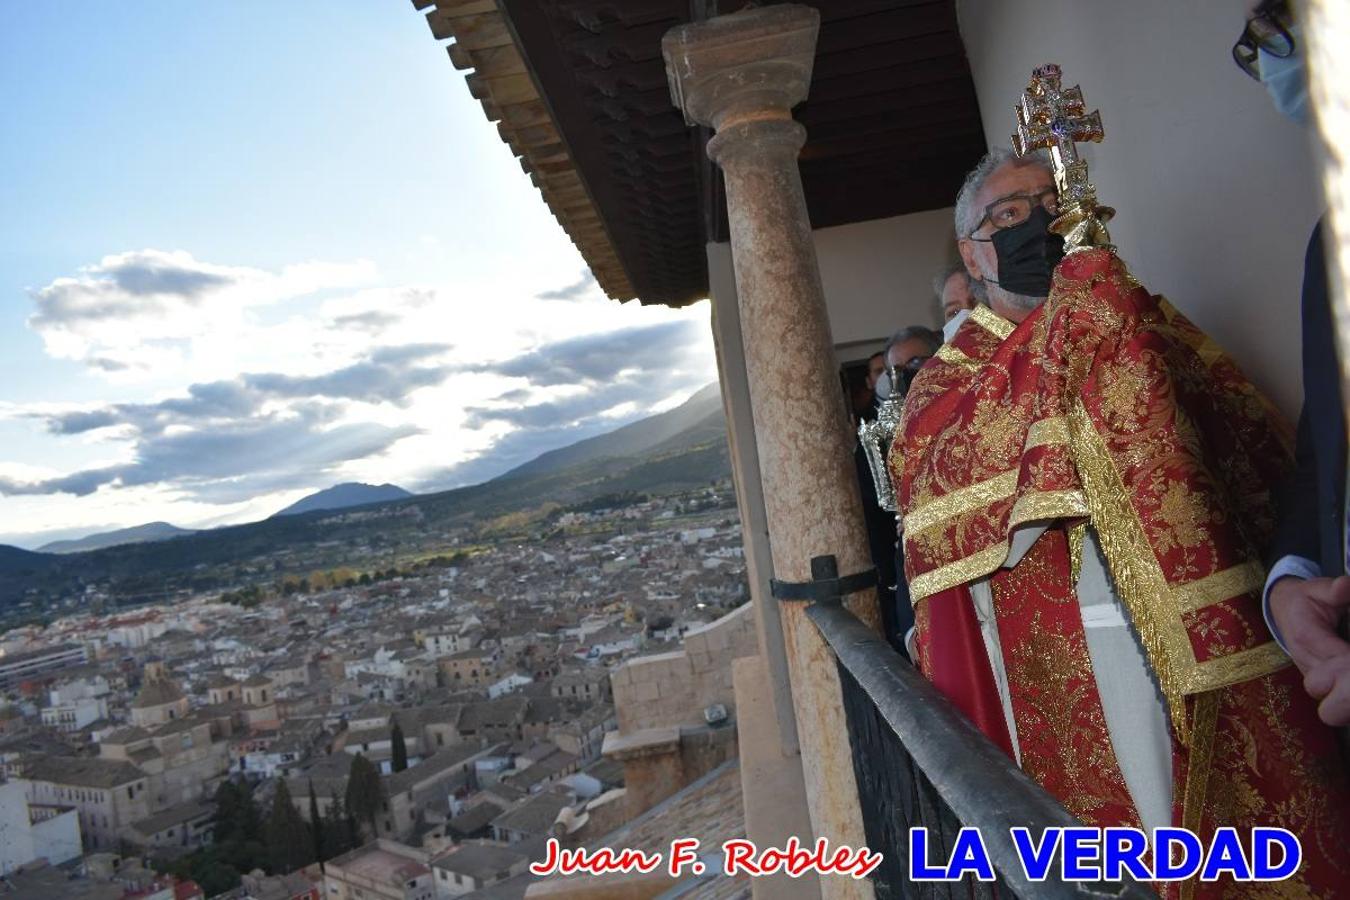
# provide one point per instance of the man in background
(952, 287)
(905, 353)
(1307, 592)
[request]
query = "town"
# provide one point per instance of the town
(401, 733)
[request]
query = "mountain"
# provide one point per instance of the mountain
(341, 496)
(15, 563)
(152, 531)
(674, 452)
(697, 420)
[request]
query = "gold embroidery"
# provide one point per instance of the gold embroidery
(1144, 590)
(1042, 505)
(949, 354)
(961, 500)
(1220, 586)
(1135, 569)
(1077, 534)
(977, 565)
(1234, 668)
(1197, 771)
(992, 321)
(1048, 431)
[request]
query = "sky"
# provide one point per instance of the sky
(252, 249)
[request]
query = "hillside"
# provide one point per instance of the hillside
(151, 531)
(671, 461)
(690, 418)
(344, 496)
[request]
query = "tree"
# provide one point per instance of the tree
(318, 833)
(340, 828)
(288, 844)
(237, 819)
(400, 746)
(365, 791)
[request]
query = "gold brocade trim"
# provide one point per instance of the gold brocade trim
(1047, 431)
(992, 321)
(1201, 759)
(1042, 505)
(1220, 586)
(977, 565)
(1077, 535)
(972, 496)
(1235, 668)
(1153, 605)
(1139, 578)
(949, 354)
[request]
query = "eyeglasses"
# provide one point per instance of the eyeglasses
(1009, 212)
(1268, 30)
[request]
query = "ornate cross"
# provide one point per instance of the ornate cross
(1053, 117)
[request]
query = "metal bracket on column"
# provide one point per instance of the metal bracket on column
(825, 585)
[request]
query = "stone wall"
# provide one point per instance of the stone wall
(674, 688)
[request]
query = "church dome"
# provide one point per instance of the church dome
(157, 692)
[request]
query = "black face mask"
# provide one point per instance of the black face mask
(1027, 255)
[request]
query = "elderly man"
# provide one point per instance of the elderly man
(1084, 497)
(952, 287)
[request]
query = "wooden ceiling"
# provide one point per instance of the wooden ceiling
(578, 90)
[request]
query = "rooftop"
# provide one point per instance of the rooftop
(480, 860)
(380, 865)
(94, 772)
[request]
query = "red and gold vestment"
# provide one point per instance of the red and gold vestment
(1106, 408)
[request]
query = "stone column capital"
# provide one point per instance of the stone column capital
(749, 66)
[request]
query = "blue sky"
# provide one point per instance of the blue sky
(253, 248)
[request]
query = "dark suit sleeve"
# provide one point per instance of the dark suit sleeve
(1297, 533)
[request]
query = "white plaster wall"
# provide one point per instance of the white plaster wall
(56, 840)
(1214, 191)
(877, 276)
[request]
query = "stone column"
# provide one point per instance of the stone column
(741, 74)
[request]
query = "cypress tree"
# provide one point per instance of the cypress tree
(318, 834)
(288, 844)
(400, 746)
(365, 792)
(340, 828)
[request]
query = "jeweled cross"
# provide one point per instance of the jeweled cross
(1054, 117)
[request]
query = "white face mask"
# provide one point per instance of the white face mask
(1286, 80)
(883, 387)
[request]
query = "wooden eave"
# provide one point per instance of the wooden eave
(578, 90)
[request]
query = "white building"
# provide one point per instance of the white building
(31, 831)
(511, 682)
(77, 704)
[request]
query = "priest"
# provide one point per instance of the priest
(1084, 486)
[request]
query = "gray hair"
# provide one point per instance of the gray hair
(914, 332)
(945, 273)
(967, 216)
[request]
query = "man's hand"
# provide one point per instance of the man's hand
(1308, 614)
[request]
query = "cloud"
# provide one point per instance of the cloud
(133, 310)
(386, 375)
(223, 462)
(377, 310)
(222, 436)
(372, 320)
(580, 387)
(595, 358)
(573, 291)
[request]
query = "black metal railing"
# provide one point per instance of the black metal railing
(920, 763)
